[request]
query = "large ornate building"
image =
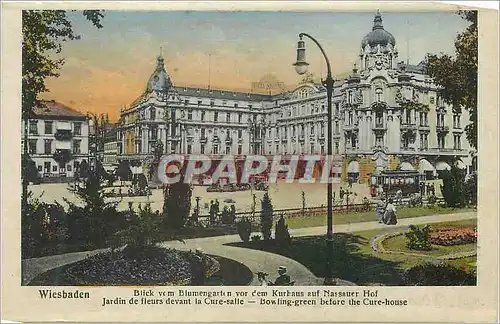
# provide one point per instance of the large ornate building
(386, 115)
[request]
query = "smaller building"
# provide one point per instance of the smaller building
(57, 140)
(110, 149)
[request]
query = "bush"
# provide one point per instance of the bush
(142, 230)
(244, 227)
(176, 205)
(266, 217)
(256, 238)
(431, 201)
(281, 232)
(471, 187)
(438, 274)
(418, 239)
(453, 188)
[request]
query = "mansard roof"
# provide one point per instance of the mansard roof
(51, 109)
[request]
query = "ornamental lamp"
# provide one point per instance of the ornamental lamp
(301, 64)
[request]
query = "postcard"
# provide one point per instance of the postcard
(249, 162)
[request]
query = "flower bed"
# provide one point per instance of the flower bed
(145, 266)
(454, 236)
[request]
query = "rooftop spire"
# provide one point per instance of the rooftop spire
(377, 22)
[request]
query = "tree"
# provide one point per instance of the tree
(44, 31)
(454, 187)
(176, 204)
(266, 216)
(458, 75)
(123, 171)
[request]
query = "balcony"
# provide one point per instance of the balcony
(408, 126)
(63, 135)
(379, 127)
(203, 140)
(442, 129)
(423, 127)
(302, 138)
(229, 141)
(379, 147)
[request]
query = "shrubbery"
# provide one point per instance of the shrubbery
(176, 205)
(282, 235)
(453, 188)
(418, 238)
(244, 227)
(438, 274)
(266, 217)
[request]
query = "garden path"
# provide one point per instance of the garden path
(255, 260)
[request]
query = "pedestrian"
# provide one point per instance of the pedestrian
(380, 209)
(341, 195)
(399, 196)
(283, 279)
(390, 217)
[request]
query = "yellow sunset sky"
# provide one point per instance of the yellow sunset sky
(108, 68)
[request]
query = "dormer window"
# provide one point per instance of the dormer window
(379, 94)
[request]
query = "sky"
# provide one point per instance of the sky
(108, 68)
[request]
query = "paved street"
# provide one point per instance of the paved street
(282, 194)
(253, 259)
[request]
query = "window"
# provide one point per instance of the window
(249, 106)
(239, 149)
(440, 120)
(215, 149)
(68, 167)
(351, 118)
(336, 148)
(228, 117)
(48, 127)
(441, 141)
(199, 102)
(76, 146)
(456, 121)
(203, 116)
(216, 116)
(293, 130)
(202, 149)
(408, 116)
(456, 142)
(228, 150)
(39, 168)
(190, 114)
(203, 133)
(212, 103)
(189, 149)
(240, 116)
(54, 168)
(349, 97)
(77, 128)
(152, 113)
(424, 141)
(47, 146)
(32, 146)
(379, 94)
(33, 127)
(337, 109)
(379, 119)
(186, 102)
(337, 129)
(312, 129)
(312, 148)
(322, 149)
(322, 129)
(46, 167)
(240, 133)
(235, 105)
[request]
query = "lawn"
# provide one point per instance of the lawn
(353, 257)
(356, 217)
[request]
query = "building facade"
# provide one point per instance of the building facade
(386, 115)
(57, 139)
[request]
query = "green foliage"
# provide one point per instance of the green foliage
(143, 229)
(438, 274)
(256, 238)
(457, 75)
(471, 187)
(418, 238)
(282, 235)
(123, 171)
(431, 201)
(266, 216)
(176, 205)
(244, 227)
(29, 169)
(454, 187)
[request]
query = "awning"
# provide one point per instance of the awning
(425, 165)
(63, 125)
(406, 166)
(440, 166)
(353, 167)
(459, 164)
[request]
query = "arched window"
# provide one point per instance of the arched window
(379, 94)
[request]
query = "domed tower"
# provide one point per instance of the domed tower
(378, 48)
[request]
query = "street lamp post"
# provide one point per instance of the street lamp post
(301, 68)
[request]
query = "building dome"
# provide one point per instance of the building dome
(378, 35)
